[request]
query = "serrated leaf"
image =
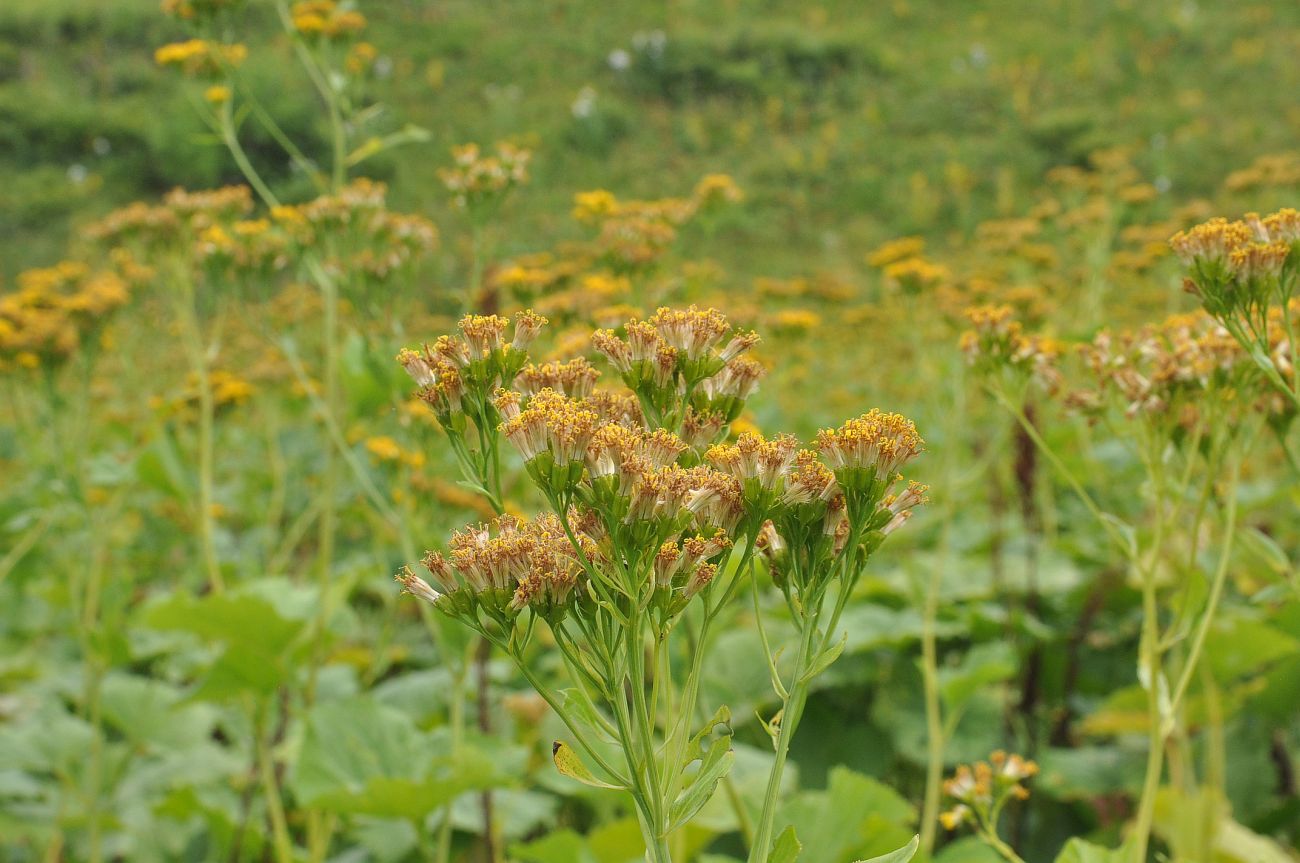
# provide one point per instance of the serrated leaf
(716, 764)
(570, 765)
(695, 749)
(902, 855)
(786, 848)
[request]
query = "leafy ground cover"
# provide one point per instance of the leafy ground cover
(212, 464)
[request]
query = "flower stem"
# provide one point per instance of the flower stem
(933, 719)
(790, 710)
(1155, 734)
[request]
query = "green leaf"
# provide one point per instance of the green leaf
(1181, 819)
(1267, 549)
(695, 749)
(716, 764)
(968, 849)
(786, 848)
(1079, 851)
(578, 704)
(569, 764)
(230, 618)
(160, 467)
(1125, 531)
(361, 757)
(982, 666)
(826, 657)
(259, 636)
(1238, 647)
(562, 846)
(902, 855)
(617, 841)
(149, 712)
(855, 815)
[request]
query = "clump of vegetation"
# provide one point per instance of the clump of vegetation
(665, 631)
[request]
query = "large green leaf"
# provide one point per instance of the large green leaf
(1238, 646)
(562, 846)
(150, 713)
(854, 815)
(259, 636)
(1198, 826)
(361, 757)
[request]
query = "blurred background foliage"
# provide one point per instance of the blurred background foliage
(1046, 149)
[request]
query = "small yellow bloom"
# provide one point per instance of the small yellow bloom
(384, 448)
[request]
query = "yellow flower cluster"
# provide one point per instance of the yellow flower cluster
(1175, 371)
(508, 566)
(366, 236)
(191, 10)
(997, 340)
(1277, 171)
(386, 450)
(216, 230)
(916, 274)
(589, 281)
(201, 57)
(476, 179)
(982, 789)
(877, 442)
(229, 390)
(905, 268)
(715, 189)
(327, 19)
(54, 311)
(1239, 269)
(361, 57)
(895, 251)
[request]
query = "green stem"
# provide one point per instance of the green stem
(274, 802)
(226, 128)
(198, 351)
(327, 526)
(1155, 733)
(1151, 663)
(790, 710)
(995, 841)
(1106, 521)
(457, 722)
(935, 737)
(635, 651)
(207, 485)
(1216, 593)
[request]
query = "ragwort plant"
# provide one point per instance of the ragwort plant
(652, 521)
(1189, 397)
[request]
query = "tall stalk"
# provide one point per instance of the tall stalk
(791, 708)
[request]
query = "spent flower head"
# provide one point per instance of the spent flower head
(981, 790)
